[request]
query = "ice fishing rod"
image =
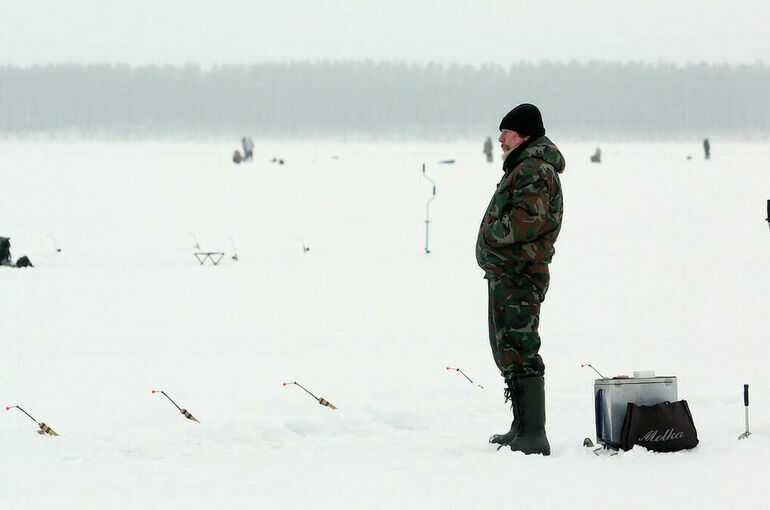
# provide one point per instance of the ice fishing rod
(55, 246)
(465, 375)
(235, 252)
(305, 247)
(592, 368)
(183, 411)
(44, 429)
(197, 244)
(320, 400)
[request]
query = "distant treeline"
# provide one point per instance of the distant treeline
(330, 99)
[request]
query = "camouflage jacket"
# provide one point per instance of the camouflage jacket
(524, 216)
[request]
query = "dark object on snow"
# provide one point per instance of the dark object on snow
(5, 255)
(588, 443)
(597, 156)
(664, 427)
(237, 158)
(24, 262)
(5, 251)
(707, 148)
(768, 213)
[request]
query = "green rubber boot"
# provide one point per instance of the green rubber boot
(529, 400)
(508, 437)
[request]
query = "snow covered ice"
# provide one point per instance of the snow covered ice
(662, 264)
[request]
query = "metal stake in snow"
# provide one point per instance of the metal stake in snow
(235, 252)
(197, 244)
(183, 411)
(746, 405)
(320, 400)
(464, 375)
(44, 429)
(592, 368)
(433, 196)
(58, 250)
(427, 207)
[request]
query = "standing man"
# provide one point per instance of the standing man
(706, 148)
(514, 247)
(488, 148)
(5, 251)
(248, 148)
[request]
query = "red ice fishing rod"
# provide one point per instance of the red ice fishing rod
(183, 411)
(465, 375)
(320, 400)
(594, 369)
(44, 429)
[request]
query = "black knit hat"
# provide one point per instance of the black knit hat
(525, 119)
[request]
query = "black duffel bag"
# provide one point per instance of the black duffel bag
(664, 427)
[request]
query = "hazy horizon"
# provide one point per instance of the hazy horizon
(386, 100)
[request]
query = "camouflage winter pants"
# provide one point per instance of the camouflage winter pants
(514, 315)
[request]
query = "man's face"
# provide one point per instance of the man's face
(509, 140)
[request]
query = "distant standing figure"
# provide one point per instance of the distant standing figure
(707, 148)
(597, 156)
(5, 252)
(488, 148)
(248, 148)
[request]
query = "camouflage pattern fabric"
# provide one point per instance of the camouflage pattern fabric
(523, 218)
(514, 246)
(514, 315)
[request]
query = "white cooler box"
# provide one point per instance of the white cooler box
(611, 398)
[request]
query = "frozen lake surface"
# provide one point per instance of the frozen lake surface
(662, 264)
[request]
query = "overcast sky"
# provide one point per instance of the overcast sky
(464, 31)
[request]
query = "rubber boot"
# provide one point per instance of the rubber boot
(529, 398)
(508, 437)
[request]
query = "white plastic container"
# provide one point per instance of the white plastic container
(611, 398)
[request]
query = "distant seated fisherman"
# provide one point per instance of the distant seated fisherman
(5, 255)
